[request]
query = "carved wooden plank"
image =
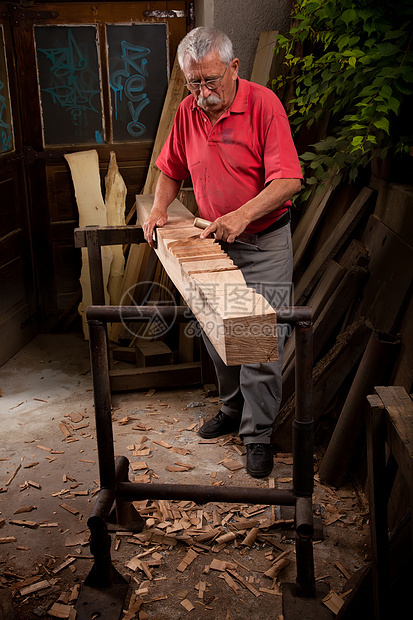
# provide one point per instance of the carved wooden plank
(84, 168)
(239, 322)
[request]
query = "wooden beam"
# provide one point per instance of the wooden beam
(328, 376)
(309, 222)
(264, 58)
(394, 207)
(320, 296)
(239, 322)
(332, 245)
(390, 276)
(403, 369)
(342, 287)
(342, 452)
(152, 353)
(110, 235)
(174, 95)
(336, 306)
(168, 376)
(377, 496)
(399, 407)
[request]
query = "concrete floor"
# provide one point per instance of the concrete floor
(48, 384)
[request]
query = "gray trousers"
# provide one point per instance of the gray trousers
(252, 392)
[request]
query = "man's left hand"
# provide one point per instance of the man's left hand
(227, 227)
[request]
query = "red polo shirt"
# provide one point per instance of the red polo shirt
(232, 161)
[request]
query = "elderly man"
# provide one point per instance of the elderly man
(233, 139)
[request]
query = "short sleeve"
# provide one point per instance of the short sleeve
(279, 152)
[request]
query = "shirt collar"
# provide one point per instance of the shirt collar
(241, 98)
(240, 102)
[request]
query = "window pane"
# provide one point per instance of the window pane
(7, 141)
(138, 79)
(70, 92)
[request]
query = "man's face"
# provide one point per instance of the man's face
(211, 67)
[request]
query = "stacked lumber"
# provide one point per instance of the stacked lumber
(352, 250)
(352, 266)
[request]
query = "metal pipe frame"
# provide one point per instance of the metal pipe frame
(117, 489)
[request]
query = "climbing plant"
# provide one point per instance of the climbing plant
(352, 60)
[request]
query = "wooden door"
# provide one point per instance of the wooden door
(91, 76)
(17, 284)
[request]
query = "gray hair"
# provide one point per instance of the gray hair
(203, 40)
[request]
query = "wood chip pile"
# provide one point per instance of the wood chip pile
(192, 544)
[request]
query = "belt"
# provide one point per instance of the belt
(282, 221)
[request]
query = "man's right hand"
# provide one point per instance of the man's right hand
(157, 218)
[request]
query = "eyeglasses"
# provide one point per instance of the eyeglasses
(210, 84)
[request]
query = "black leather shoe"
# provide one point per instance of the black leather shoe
(259, 460)
(221, 424)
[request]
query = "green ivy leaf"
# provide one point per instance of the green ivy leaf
(382, 123)
(386, 91)
(393, 34)
(357, 141)
(349, 16)
(355, 64)
(307, 156)
(393, 104)
(335, 181)
(387, 49)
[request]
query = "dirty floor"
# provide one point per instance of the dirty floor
(180, 566)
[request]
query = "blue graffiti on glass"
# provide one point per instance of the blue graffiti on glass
(130, 82)
(6, 143)
(69, 68)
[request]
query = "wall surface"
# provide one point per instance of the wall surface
(243, 21)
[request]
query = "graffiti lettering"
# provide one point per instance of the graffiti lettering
(69, 68)
(5, 129)
(129, 82)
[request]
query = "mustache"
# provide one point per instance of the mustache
(207, 101)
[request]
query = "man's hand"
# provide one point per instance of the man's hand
(227, 227)
(275, 194)
(157, 218)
